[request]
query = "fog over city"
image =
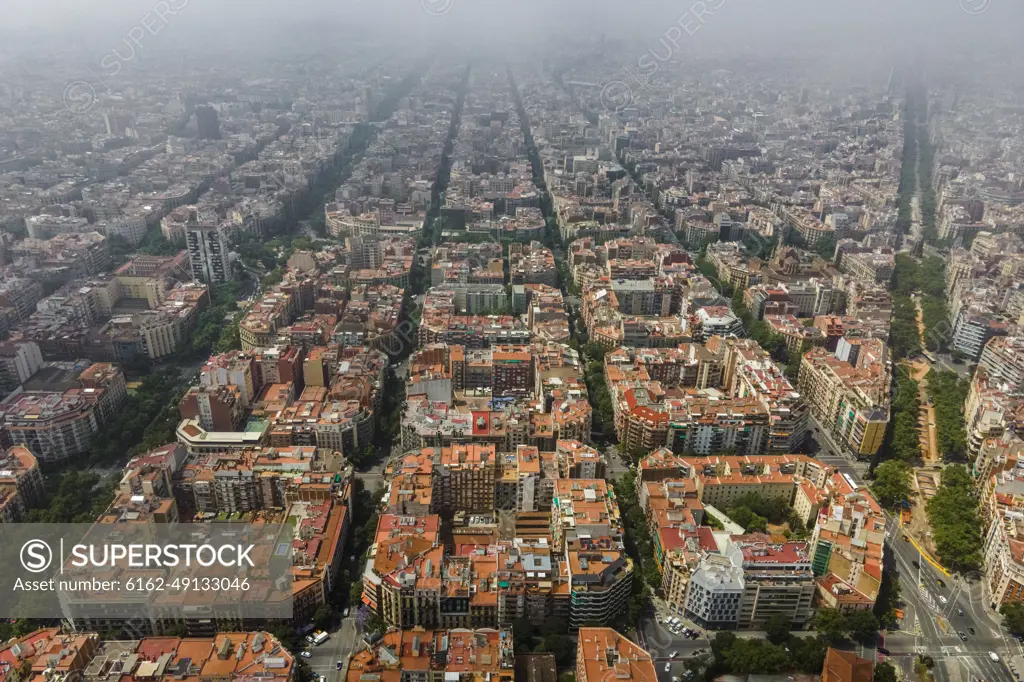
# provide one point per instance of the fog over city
(769, 27)
(530, 340)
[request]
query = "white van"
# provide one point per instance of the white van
(994, 656)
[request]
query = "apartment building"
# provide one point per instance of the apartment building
(731, 263)
(259, 327)
(584, 509)
(578, 460)
(751, 581)
(847, 392)
(531, 263)
(20, 294)
(47, 654)
(526, 480)
(871, 266)
(604, 654)
(19, 360)
(21, 483)
(58, 425)
(799, 337)
(419, 655)
(700, 422)
(464, 477)
(600, 576)
(973, 327)
(749, 372)
(1004, 570)
(846, 546)
(587, 530)
(807, 225)
(229, 656)
(511, 371)
(216, 409)
(711, 321)
(318, 549)
(1003, 359)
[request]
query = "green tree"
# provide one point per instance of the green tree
(1013, 617)
(554, 626)
(721, 643)
(892, 484)
(522, 635)
(862, 626)
(755, 656)
(826, 247)
(884, 672)
(888, 599)
(375, 623)
(324, 617)
(777, 628)
(559, 645)
(830, 624)
(948, 393)
(808, 654)
(953, 515)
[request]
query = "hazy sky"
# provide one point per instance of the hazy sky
(767, 24)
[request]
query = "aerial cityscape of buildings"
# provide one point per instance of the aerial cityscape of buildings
(537, 370)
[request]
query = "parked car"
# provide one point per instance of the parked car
(306, 654)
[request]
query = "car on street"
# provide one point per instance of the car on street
(994, 656)
(970, 630)
(309, 638)
(959, 611)
(306, 654)
(963, 636)
(668, 666)
(943, 599)
(673, 654)
(915, 564)
(906, 539)
(939, 581)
